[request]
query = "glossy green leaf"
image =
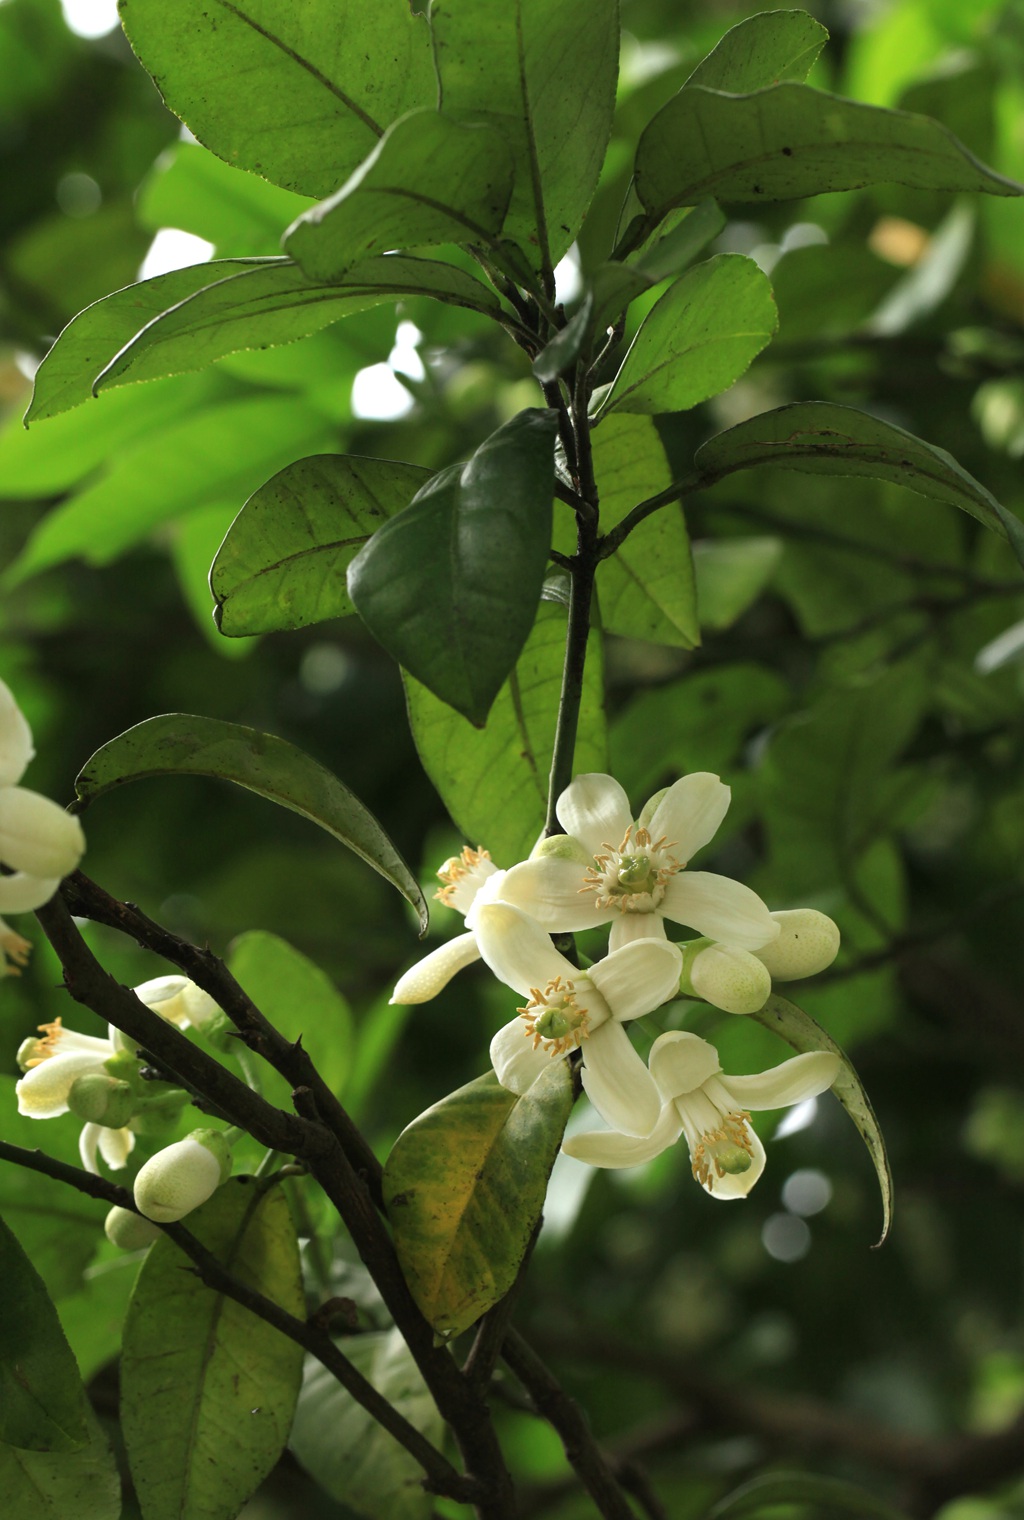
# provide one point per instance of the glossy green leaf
(450, 586)
(683, 234)
(238, 213)
(301, 1002)
(297, 94)
(790, 141)
(731, 574)
(45, 1485)
(823, 438)
(43, 1406)
(214, 454)
(544, 76)
(800, 1031)
(464, 1188)
(179, 744)
(559, 355)
(276, 303)
(429, 181)
(761, 51)
(646, 588)
(699, 337)
(494, 780)
(283, 562)
(819, 1496)
(208, 1389)
(352, 1457)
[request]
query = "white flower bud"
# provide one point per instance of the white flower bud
(561, 847)
(808, 941)
(129, 1231)
(178, 1000)
(730, 978)
(181, 1177)
(37, 836)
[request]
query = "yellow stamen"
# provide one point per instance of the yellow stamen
(554, 1019)
(47, 1046)
(724, 1151)
(453, 871)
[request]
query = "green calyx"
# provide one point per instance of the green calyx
(100, 1099)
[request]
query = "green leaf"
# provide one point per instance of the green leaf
(301, 1002)
(43, 1406)
(800, 1031)
(731, 574)
(560, 354)
(208, 1389)
(822, 438)
(646, 588)
(429, 180)
(42, 1485)
(790, 141)
(297, 94)
(831, 1495)
(544, 76)
(276, 303)
(214, 454)
(352, 1457)
(684, 233)
(464, 1187)
(697, 339)
(178, 744)
(240, 214)
(494, 780)
(450, 586)
(762, 51)
(283, 562)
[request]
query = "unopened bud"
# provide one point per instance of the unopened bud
(100, 1099)
(807, 942)
(561, 847)
(180, 1178)
(178, 1000)
(130, 1231)
(728, 977)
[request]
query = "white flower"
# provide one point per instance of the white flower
(569, 1008)
(178, 1000)
(470, 880)
(712, 1110)
(182, 1176)
(633, 875)
(114, 1145)
(54, 1063)
(39, 841)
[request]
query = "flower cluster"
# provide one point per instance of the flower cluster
(630, 874)
(39, 842)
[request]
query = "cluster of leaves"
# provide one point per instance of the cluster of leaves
(857, 679)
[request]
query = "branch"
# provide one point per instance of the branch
(675, 492)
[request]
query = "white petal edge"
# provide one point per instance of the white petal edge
(618, 1083)
(516, 1064)
(792, 1081)
(680, 1062)
(554, 893)
(638, 978)
(517, 949)
(595, 808)
(719, 907)
(690, 813)
(432, 974)
(606, 1148)
(16, 747)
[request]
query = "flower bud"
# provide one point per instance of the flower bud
(101, 1099)
(726, 976)
(36, 835)
(808, 941)
(178, 1000)
(129, 1231)
(561, 847)
(180, 1178)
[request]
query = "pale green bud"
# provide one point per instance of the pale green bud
(129, 1231)
(725, 976)
(101, 1099)
(181, 1177)
(561, 847)
(807, 942)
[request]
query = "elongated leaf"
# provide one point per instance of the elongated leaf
(178, 744)
(698, 338)
(464, 1187)
(301, 1002)
(278, 304)
(494, 780)
(560, 354)
(822, 1495)
(209, 1389)
(450, 586)
(428, 181)
(761, 51)
(822, 438)
(347, 1452)
(679, 239)
(283, 562)
(800, 1031)
(544, 76)
(790, 141)
(298, 94)
(52, 1485)
(43, 1406)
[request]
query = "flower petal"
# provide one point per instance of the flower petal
(16, 748)
(23, 893)
(618, 1083)
(781, 1086)
(681, 1062)
(42, 1092)
(690, 813)
(605, 1147)
(517, 949)
(432, 974)
(36, 835)
(720, 908)
(638, 978)
(596, 809)
(88, 1143)
(627, 927)
(738, 1184)
(554, 893)
(516, 1064)
(115, 1146)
